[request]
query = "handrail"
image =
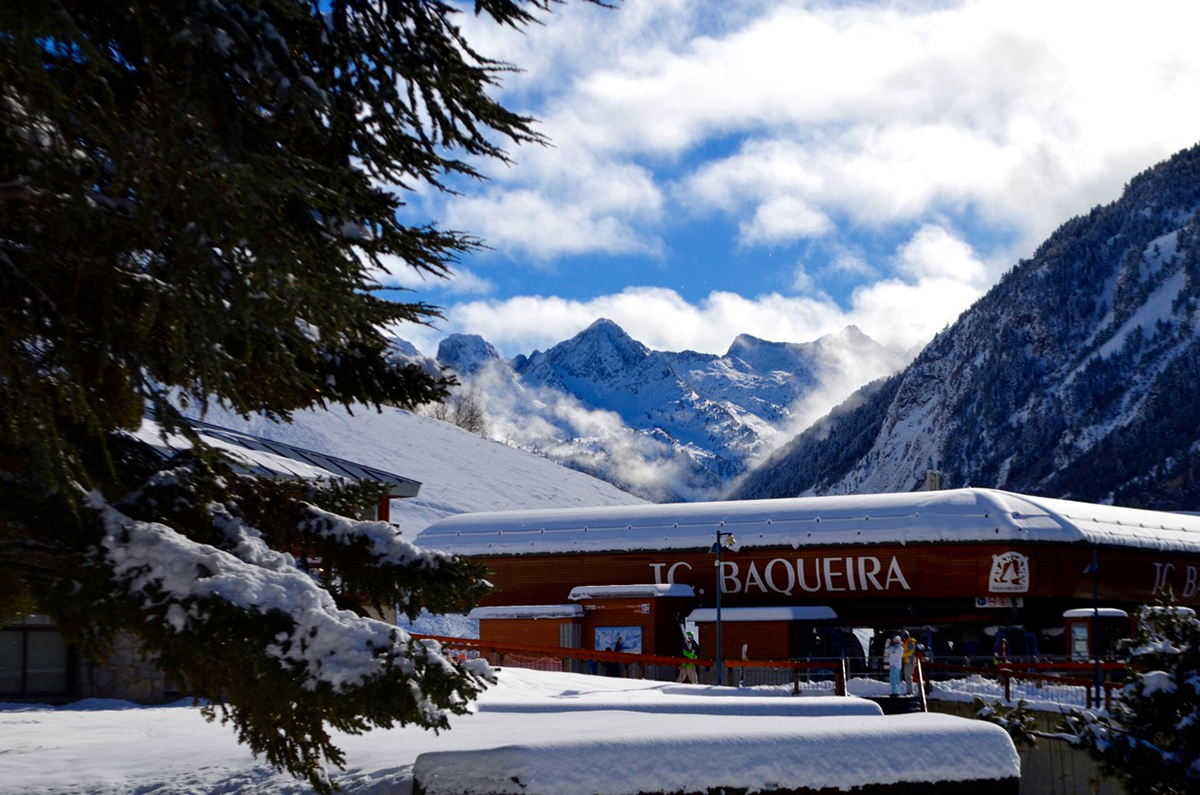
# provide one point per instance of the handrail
(1009, 671)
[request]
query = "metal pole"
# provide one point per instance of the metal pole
(720, 662)
(1096, 622)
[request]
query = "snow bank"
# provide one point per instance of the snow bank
(114, 748)
(651, 590)
(699, 754)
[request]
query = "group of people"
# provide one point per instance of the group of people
(902, 653)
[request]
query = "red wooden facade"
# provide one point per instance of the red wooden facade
(958, 562)
(968, 586)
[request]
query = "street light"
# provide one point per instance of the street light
(1094, 570)
(724, 541)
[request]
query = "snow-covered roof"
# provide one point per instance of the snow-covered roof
(1088, 612)
(257, 456)
(527, 611)
(958, 515)
(650, 590)
(784, 613)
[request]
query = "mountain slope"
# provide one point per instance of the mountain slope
(459, 472)
(1077, 376)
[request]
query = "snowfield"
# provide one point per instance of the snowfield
(459, 472)
(560, 733)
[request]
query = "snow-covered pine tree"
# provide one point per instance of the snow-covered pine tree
(1151, 741)
(191, 209)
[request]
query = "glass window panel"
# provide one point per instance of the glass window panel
(47, 663)
(10, 660)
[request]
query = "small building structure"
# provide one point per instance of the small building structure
(635, 618)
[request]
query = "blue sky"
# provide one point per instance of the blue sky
(784, 169)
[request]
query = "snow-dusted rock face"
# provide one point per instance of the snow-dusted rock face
(466, 353)
(665, 425)
(1077, 376)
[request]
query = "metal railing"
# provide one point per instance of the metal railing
(811, 675)
(1057, 674)
(830, 673)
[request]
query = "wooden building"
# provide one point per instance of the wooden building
(956, 564)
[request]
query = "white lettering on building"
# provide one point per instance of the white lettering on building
(1163, 579)
(786, 590)
(753, 580)
(865, 576)
(894, 574)
(1162, 573)
(779, 575)
(727, 574)
(658, 567)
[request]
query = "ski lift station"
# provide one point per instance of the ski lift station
(793, 577)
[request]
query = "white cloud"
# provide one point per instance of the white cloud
(934, 253)
(938, 276)
(1021, 111)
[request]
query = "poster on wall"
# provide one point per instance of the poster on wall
(624, 639)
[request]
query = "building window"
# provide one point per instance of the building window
(34, 661)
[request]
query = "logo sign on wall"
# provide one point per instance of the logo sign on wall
(1010, 573)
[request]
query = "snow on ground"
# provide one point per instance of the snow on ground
(459, 471)
(567, 732)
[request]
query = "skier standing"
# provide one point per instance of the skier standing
(689, 650)
(895, 658)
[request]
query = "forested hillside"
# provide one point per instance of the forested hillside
(1077, 376)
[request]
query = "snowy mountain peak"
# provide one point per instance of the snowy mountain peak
(466, 353)
(666, 426)
(605, 342)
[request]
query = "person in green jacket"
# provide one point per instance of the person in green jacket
(687, 670)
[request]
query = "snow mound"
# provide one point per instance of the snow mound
(697, 755)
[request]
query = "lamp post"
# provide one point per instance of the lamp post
(724, 540)
(1094, 570)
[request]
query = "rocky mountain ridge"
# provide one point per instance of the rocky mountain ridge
(1077, 375)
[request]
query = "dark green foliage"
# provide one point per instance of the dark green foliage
(1017, 720)
(192, 210)
(1151, 741)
